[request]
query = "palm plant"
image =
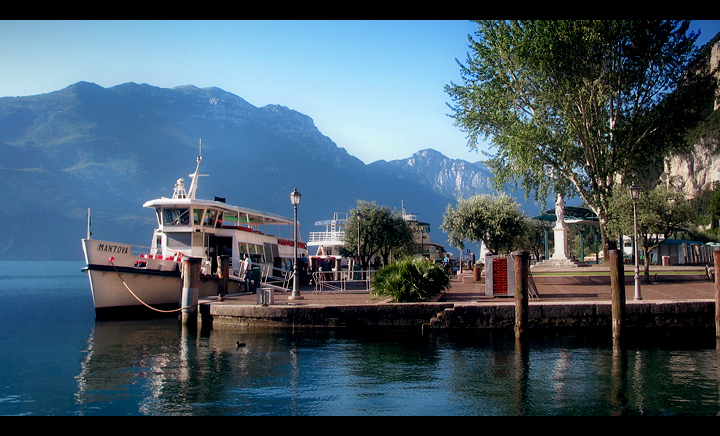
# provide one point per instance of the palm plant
(410, 279)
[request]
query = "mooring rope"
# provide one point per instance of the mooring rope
(112, 259)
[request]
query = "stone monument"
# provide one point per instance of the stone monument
(559, 257)
(560, 230)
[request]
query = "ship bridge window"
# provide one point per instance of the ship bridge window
(176, 217)
(197, 216)
(210, 217)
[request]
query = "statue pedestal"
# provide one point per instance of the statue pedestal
(560, 243)
(559, 259)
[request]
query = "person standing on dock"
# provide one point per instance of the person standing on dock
(324, 267)
(248, 272)
(303, 264)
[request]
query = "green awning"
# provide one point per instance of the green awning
(573, 215)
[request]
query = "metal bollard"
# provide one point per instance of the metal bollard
(265, 296)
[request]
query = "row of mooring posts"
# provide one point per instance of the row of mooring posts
(191, 278)
(617, 284)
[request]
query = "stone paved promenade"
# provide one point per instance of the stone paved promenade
(464, 290)
(662, 286)
(574, 299)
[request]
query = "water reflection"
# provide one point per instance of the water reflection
(159, 368)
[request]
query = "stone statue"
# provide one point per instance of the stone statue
(560, 254)
(560, 210)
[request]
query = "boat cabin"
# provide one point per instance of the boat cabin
(210, 228)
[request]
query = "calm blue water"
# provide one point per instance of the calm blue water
(57, 360)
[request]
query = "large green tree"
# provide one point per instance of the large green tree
(495, 220)
(661, 212)
(577, 106)
(383, 232)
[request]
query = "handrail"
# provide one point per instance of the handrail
(276, 277)
(343, 281)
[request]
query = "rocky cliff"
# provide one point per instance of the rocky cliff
(697, 171)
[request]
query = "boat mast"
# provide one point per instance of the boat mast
(195, 175)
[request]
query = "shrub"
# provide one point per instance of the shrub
(410, 279)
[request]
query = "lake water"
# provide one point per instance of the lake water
(58, 360)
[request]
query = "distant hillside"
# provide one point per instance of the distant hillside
(111, 149)
(452, 178)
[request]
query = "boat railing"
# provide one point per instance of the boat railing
(343, 281)
(326, 236)
(147, 253)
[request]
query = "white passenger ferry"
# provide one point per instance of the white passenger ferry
(421, 236)
(123, 280)
(328, 243)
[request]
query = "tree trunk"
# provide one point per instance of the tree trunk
(604, 237)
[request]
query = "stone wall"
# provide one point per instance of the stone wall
(500, 315)
(287, 316)
(686, 314)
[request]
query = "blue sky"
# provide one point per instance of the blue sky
(374, 87)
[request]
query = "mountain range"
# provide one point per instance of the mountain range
(111, 149)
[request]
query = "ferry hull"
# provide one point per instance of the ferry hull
(124, 284)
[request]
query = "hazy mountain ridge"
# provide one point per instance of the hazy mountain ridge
(111, 149)
(453, 178)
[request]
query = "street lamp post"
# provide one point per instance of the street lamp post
(295, 200)
(359, 216)
(635, 194)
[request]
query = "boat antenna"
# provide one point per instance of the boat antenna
(89, 221)
(195, 175)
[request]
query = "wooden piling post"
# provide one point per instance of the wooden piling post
(716, 264)
(522, 267)
(222, 272)
(617, 284)
(189, 299)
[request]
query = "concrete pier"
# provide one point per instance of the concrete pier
(687, 301)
